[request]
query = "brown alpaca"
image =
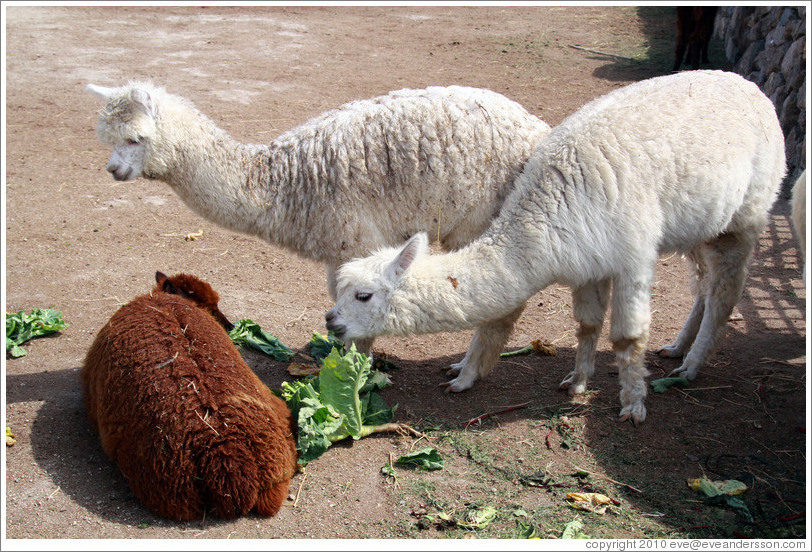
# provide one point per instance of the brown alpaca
(190, 426)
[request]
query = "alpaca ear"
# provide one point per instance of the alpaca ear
(161, 279)
(101, 92)
(143, 101)
(413, 248)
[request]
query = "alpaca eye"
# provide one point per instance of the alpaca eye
(134, 142)
(363, 297)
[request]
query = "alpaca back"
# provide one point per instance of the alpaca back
(439, 160)
(188, 423)
(662, 165)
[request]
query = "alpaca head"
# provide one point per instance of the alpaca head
(195, 289)
(128, 123)
(367, 291)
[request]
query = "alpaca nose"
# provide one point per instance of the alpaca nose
(337, 329)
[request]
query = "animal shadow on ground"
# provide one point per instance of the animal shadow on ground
(742, 418)
(658, 23)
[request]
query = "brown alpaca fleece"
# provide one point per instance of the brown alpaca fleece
(190, 426)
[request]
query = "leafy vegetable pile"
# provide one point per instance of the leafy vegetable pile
(21, 327)
(338, 403)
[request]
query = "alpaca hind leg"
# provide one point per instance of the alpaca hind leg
(483, 353)
(589, 308)
(631, 318)
(699, 288)
(727, 258)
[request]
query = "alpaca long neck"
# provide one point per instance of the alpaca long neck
(479, 283)
(238, 186)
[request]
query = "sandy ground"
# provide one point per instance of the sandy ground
(78, 241)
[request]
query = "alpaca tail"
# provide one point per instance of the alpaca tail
(231, 480)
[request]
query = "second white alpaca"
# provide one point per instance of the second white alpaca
(689, 162)
(368, 174)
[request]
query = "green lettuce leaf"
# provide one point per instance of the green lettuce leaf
(22, 327)
(321, 346)
(574, 530)
(424, 459)
(247, 333)
(662, 384)
(340, 382)
(336, 404)
(375, 411)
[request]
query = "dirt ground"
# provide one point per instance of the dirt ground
(78, 241)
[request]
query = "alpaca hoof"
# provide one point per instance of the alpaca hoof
(454, 369)
(635, 412)
(458, 384)
(669, 351)
(685, 371)
(572, 387)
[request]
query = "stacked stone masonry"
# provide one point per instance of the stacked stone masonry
(767, 45)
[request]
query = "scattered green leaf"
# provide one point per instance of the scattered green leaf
(723, 493)
(574, 530)
(526, 530)
(22, 327)
(247, 333)
(477, 518)
(536, 346)
(662, 384)
(424, 459)
(388, 470)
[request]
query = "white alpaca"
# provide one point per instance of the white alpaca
(369, 174)
(689, 162)
(799, 216)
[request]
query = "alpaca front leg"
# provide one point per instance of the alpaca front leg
(632, 370)
(588, 307)
(487, 344)
(631, 318)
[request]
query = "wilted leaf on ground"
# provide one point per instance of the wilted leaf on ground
(10, 440)
(723, 493)
(248, 333)
(591, 502)
(297, 369)
(715, 488)
(477, 518)
(537, 346)
(424, 459)
(662, 384)
(526, 530)
(574, 530)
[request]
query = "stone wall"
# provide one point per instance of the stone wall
(767, 45)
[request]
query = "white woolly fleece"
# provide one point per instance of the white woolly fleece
(689, 162)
